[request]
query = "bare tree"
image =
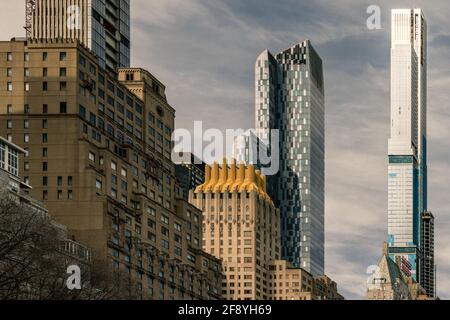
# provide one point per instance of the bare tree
(33, 266)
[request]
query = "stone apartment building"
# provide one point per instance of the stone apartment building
(241, 226)
(98, 155)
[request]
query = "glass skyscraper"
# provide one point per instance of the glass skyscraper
(101, 25)
(407, 176)
(290, 97)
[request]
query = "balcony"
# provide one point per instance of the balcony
(76, 250)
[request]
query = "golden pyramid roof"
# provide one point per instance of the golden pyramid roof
(221, 179)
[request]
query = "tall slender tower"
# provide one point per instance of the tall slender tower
(101, 25)
(407, 177)
(290, 97)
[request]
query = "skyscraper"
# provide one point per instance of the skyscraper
(101, 25)
(290, 97)
(407, 143)
(428, 267)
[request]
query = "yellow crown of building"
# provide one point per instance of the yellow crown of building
(233, 179)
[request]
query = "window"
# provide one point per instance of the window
(114, 165)
(82, 112)
(91, 156)
(138, 107)
(98, 184)
(62, 86)
(111, 86)
(45, 181)
(26, 124)
(44, 86)
(177, 226)
(191, 258)
(44, 152)
(69, 181)
(62, 72)
(92, 69)
(124, 172)
(44, 56)
(9, 56)
(110, 113)
(62, 107)
(151, 237)
(9, 86)
(44, 166)
(70, 195)
(26, 72)
(9, 109)
(101, 78)
(114, 193)
(120, 93)
(165, 244)
(44, 124)
(151, 211)
(111, 100)
(164, 231)
(62, 56)
(59, 181)
(45, 108)
(93, 119)
(164, 219)
(44, 72)
(9, 124)
(9, 72)
(60, 195)
(44, 138)
(26, 138)
(26, 56)
(45, 195)
(26, 108)
(26, 86)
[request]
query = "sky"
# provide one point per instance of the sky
(204, 51)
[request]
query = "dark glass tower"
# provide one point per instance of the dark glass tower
(290, 98)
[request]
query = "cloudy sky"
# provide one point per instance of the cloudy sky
(205, 50)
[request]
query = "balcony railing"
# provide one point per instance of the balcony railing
(76, 250)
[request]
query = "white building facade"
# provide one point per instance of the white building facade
(407, 176)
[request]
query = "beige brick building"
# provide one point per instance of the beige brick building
(241, 227)
(98, 156)
(289, 283)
